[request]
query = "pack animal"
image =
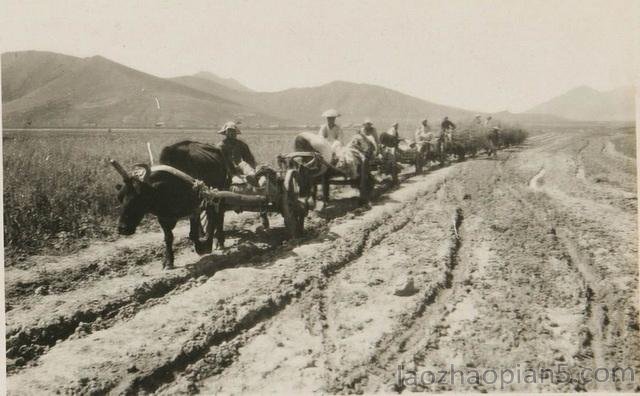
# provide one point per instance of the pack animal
(166, 191)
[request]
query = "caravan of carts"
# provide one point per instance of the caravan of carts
(290, 188)
(287, 190)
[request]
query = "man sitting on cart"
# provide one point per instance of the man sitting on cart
(391, 137)
(331, 131)
(448, 128)
(371, 134)
(424, 134)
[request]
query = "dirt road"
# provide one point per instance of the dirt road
(525, 261)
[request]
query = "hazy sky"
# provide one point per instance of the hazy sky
(479, 55)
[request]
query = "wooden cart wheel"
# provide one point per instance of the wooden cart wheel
(442, 154)
(364, 185)
(292, 209)
(204, 241)
(394, 168)
(204, 222)
(420, 157)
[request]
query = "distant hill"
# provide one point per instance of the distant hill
(209, 86)
(225, 82)
(354, 101)
(42, 89)
(587, 104)
(528, 118)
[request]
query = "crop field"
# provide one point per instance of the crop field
(626, 144)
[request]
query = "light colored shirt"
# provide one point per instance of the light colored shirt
(424, 134)
(331, 134)
(372, 135)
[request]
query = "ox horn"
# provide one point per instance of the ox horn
(120, 170)
(150, 153)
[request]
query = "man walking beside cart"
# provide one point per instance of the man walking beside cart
(241, 162)
(236, 152)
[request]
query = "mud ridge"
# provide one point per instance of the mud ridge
(117, 264)
(339, 254)
(596, 318)
(353, 379)
(26, 344)
(536, 181)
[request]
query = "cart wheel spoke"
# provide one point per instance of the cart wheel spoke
(293, 211)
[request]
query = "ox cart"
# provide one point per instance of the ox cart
(408, 153)
(313, 169)
(271, 191)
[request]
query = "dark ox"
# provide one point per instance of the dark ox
(169, 195)
(310, 177)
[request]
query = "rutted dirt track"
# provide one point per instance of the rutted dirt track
(528, 260)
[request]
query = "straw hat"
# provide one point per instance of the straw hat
(331, 113)
(367, 121)
(229, 125)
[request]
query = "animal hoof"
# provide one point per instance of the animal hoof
(202, 249)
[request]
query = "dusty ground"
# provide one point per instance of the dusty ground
(526, 261)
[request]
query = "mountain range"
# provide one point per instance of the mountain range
(41, 89)
(44, 89)
(587, 104)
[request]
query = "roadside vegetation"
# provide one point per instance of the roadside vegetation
(626, 144)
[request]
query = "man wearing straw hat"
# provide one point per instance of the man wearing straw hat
(236, 151)
(371, 134)
(331, 131)
(241, 161)
(423, 133)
